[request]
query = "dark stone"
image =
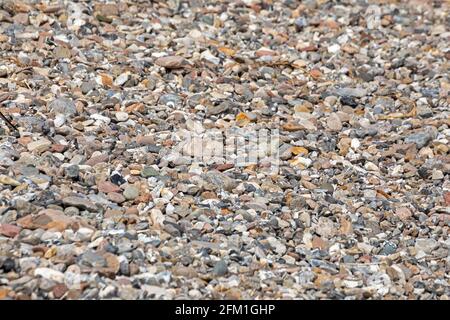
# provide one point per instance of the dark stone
(8, 265)
(349, 101)
(117, 179)
(72, 171)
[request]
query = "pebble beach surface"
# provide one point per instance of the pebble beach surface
(101, 196)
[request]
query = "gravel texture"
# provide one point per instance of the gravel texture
(101, 199)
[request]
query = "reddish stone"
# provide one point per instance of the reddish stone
(9, 230)
(309, 48)
(315, 73)
(106, 187)
(60, 148)
(24, 140)
(145, 140)
(46, 219)
(223, 167)
(403, 213)
(447, 198)
(115, 197)
(365, 259)
(208, 195)
(59, 290)
(318, 242)
(97, 159)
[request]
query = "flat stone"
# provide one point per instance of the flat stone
(50, 274)
(171, 62)
(421, 139)
(116, 197)
(9, 230)
(80, 203)
(93, 259)
(106, 187)
(351, 92)
(47, 219)
(64, 106)
(220, 268)
(97, 159)
(39, 145)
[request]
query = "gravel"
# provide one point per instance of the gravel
(106, 105)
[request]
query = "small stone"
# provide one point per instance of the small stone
(131, 192)
(335, 48)
(107, 9)
(171, 62)
(277, 245)
(9, 230)
(325, 227)
(93, 259)
(8, 265)
(62, 52)
(426, 245)
(46, 219)
(447, 198)
(39, 145)
(209, 57)
(116, 197)
(97, 159)
(437, 175)
(64, 106)
(60, 119)
(149, 172)
(50, 274)
(106, 187)
(349, 101)
(5, 180)
(351, 92)
(79, 202)
(121, 116)
(403, 213)
(334, 122)
(388, 249)
(170, 99)
(72, 171)
(59, 290)
(421, 139)
(117, 179)
(220, 268)
(300, 23)
(121, 79)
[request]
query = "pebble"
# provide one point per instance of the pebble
(421, 139)
(426, 245)
(39, 145)
(131, 192)
(49, 274)
(79, 202)
(64, 106)
(121, 116)
(334, 122)
(220, 268)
